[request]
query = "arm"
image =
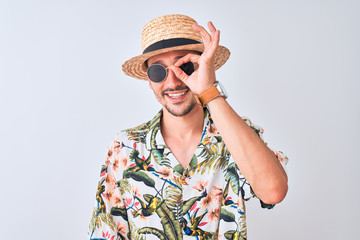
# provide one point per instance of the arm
(256, 161)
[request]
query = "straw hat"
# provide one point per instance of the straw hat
(168, 33)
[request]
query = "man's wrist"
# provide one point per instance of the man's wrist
(217, 90)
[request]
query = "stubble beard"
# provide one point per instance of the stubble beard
(172, 107)
(184, 111)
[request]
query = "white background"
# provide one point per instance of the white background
(294, 70)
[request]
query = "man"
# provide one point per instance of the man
(184, 174)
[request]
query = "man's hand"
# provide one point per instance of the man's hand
(204, 75)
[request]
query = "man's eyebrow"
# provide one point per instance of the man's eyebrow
(178, 57)
(157, 62)
(161, 61)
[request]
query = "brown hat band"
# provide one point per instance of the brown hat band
(168, 43)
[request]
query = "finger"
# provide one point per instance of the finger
(190, 57)
(179, 73)
(211, 27)
(215, 40)
(204, 34)
(215, 34)
(211, 49)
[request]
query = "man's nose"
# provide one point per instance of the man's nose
(172, 79)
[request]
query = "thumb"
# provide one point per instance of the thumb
(179, 73)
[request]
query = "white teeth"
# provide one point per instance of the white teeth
(176, 95)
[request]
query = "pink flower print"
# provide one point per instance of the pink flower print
(116, 144)
(110, 180)
(117, 147)
(202, 224)
(108, 195)
(206, 201)
(261, 130)
(121, 228)
(118, 200)
(214, 214)
(136, 191)
(124, 161)
(193, 206)
(217, 194)
(115, 164)
(128, 201)
(108, 157)
(165, 173)
(279, 156)
(108, 236)
(200, 185)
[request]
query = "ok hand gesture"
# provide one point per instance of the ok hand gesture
(204, 75)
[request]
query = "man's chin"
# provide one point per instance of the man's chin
(180, 111)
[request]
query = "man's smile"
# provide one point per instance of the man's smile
(176, 96)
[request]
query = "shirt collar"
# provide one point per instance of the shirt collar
(154, 139)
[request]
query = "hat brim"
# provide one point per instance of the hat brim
(135, 67)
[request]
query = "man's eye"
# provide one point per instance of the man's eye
(188, 68)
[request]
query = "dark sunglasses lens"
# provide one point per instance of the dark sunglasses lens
(156, 73)
(188, 68)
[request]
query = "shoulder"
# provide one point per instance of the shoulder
(134, 134)
(139, 133)
(122, 146)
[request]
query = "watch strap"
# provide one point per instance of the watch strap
(207, 96)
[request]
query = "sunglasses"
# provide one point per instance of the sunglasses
(158, 73)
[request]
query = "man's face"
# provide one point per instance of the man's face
(172, 93)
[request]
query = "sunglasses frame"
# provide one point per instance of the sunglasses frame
(166, 69)
(157, 64)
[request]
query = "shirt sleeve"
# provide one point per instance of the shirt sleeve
(283, 159)
(109, 217)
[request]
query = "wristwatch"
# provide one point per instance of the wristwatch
(217, 90)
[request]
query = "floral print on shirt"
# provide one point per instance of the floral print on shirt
(144, 193)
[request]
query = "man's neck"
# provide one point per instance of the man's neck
(184, 127)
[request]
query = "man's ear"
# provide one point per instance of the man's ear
(150, 85)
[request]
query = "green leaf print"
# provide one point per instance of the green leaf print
(100, 217)
(232, 176)
(188, 203)
(194, 162)
(140, 177)
(117, 211)
(138, 134)
(234, 235)
(173, 199)
(170, 224)
(124, 186)
(226, 215)
(179, 169)
(160, 158)
(216, 157)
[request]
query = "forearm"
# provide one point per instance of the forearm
(255, 160)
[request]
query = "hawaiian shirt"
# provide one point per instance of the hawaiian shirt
(144, 193)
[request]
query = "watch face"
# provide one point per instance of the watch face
(221, 89)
